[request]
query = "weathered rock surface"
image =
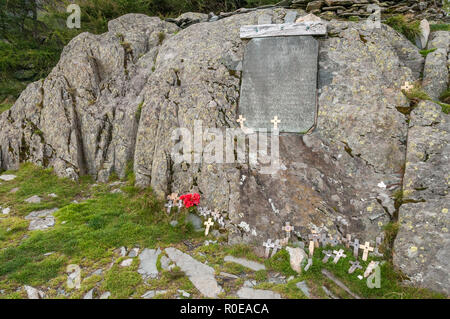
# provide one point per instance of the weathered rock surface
(421, 248)
(118, 97)
(296, 258)
(435, 74)
(201, 275)
(148, 259)
(33, 293)
(7, 178)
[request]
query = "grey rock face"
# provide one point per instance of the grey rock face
(435, 74)
(148, 259)
(82, 119)
(421, 247)
(33, 200)
(201, 275)
(118, 96)
(33, 293)
(304, 288)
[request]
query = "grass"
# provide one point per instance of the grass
(417, 94)
(427, 51)
(410, 29)
(440, 27)
(85, 233)
(5, 107)
(88, 234)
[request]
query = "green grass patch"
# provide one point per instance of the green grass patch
(440, 27)
(5, 107)
(427, 51)
(85, 232)
(410, 29)
(280, 263)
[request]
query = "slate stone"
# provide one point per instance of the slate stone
(280, 79)
(253, 265)
(201, 275)
(147, 267)
(33, 200)
(304, 288)
(195, 221)
(250, 293)
(290, 17)
(105, 295)
(152, 293)
(7, 178)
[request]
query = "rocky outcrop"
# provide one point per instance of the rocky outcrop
(421, 248)
(117, 98)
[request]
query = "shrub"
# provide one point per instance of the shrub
(410, 29)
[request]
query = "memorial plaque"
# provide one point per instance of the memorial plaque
(280, 79)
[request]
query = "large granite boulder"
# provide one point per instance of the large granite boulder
(118, 97)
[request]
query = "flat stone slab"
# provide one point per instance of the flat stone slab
(280, 79)
(152, 293)
(253, 265)
(250, 293)
(7, 178)
(33, 200)
(148, 258)
(201, 275)
(42, 219)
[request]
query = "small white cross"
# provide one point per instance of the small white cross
(169, 206)
(311, 248)
(275, 122)
(355, 265)
(347, 240)
(327, 255)
(288, 229)
(268, 244)
(208, 224)
(407, 86)
(241, 121)
(355, 246)
(366, 248)
(276, 246)
(309, 264)
(180, 205)
(338, 255)
(370, 268)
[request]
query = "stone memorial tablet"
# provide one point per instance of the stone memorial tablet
(280, 80)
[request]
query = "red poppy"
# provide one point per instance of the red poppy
(190, 200)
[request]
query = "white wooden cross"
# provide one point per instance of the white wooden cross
(216, 215)
(315, 238)
(284, 241)
(372, 265)
(323, 239)
(173, 197)
(241, 121)
(355, 246)
(208, 224)
(288, 229)
(366, 248)
(328, 254)
(276, 246)
(169, 206)
(355, 265)
(180, 205)
(268, 244)
(407, 86)
(204, 212)
(311, 248)
(347, 240)
(309, 264)
(333, 241)
(338, 254)
(275, 122)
